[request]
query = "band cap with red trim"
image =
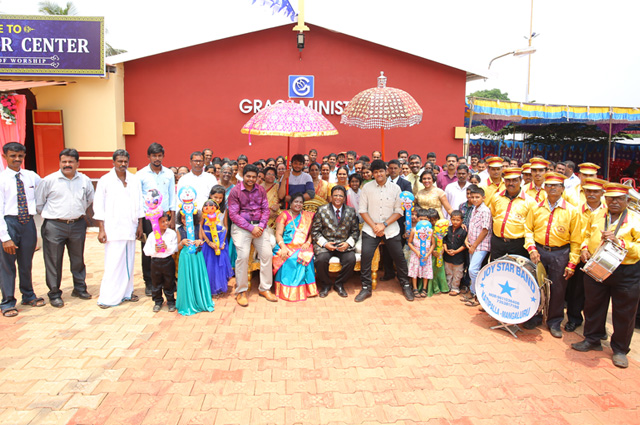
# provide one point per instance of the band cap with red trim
(589, 168)
(494, 161)
(616, 189)
(526, 168)
(512, 173)
(539, 163)
(593, 183)
(554, 178)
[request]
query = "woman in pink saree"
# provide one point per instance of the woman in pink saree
(293, 255)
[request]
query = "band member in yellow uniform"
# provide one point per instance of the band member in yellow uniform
(577, 195)
(535, 188)
(526, 174)
(494, 183)
(619, 225)
(593, 189)
(509, 209)
(553, 235)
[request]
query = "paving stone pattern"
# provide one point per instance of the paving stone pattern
(323, 361)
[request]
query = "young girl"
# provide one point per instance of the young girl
(194, 292)
(353, 193)
(216, 254)
(415, 269)
(439, 281)
(218, 193)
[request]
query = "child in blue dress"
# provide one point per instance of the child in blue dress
(215, 248)
(194, 293)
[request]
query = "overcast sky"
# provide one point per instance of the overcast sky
(585, 50)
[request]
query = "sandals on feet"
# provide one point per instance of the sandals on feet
(423, 293)
(472, 302)
(416, 293)
(10, 312)
(134, 298)
(37, 302)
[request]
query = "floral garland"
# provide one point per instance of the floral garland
(9, 108)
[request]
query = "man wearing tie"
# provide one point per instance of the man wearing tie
(335, 232)
(17, 229)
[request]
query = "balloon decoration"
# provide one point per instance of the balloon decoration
(423, 232)
(187, 197)
(439, 232)
(407, 199)
(152, 201)
(211, 214)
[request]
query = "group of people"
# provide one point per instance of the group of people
(299, 216)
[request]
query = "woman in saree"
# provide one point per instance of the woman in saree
(325, 172)
(295, 278)
(342, 176)
(321, 187)
(271, 185)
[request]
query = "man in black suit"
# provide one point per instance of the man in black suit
(394, 169)
(335, 232)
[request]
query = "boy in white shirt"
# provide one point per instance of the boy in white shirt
(163, 267)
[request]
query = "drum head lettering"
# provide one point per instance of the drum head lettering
(508, 291)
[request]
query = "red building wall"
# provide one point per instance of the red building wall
(189, 99)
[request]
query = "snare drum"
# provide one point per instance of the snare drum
(604, 261)
(508, 290)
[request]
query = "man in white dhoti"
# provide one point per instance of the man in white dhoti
(118, 210)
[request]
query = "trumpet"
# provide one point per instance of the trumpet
(634, 196)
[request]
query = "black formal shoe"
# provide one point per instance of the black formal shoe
(531, 324)
(570, 326)
(388, 277)
(57, 302)
(340, 290)
(585, 346)
(172, 308)
(363, 295)
(147, 292)
(324, 291)
(407, 291)
(82, 295)
(157, 308)
(620, 360)
(556, 332)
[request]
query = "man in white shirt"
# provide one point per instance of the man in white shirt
(63, 198)
(380, 208)
(572, 180)
(17, 229)
(118, 210)
(457, 191)
(200, 181)
(156, 176)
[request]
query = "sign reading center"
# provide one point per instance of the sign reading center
(51, 45)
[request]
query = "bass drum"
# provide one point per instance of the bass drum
(508, 290)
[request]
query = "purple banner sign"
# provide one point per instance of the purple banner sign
(51, 45)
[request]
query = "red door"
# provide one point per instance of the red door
(48, 134)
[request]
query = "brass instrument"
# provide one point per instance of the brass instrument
(634, 196)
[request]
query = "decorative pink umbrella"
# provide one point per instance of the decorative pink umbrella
(288, 119)
(382, 107)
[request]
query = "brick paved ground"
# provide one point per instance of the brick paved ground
(320, 361)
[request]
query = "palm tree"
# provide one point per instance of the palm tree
(51, 8)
